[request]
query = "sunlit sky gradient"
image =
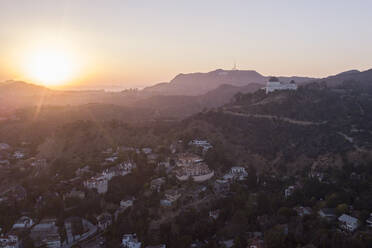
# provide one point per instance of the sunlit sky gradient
(137, 43)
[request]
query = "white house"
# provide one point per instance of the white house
(130, 241)
(18, 155)
(121, 169)
(236, 173)
(348, 223)
(98, 183)
(126, 203)
(23, 223)
(9, 241)
(274, 84)
(289, 191)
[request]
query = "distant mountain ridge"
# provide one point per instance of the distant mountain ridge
(201, 83)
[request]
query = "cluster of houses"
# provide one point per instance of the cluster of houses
(100, 182)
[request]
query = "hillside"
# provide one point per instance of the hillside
(290, 128)
(201, 83)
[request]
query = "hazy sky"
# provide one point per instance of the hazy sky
(137, 43)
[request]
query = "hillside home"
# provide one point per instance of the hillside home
(170, 197)
(121, 169)
(98, 183)
(348, 223)
(289, 191)
(9, 241)
(23, 223)
(126, 203)
(236, 173)
(130, 241)
(18, 155)
(214, 214)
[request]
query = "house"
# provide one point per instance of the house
(23, 223)
(289, 191)
(348, 223)
(121, 169)
(327, 213)
(369, 221)
(98, 183)
(236, 173)
(46, 233)
(104, 220)
(126, 203)
(214, 214)
(170, 197)
(130, 241)
(274, 84)
(155, 185)
(18, 155)
(9, 241)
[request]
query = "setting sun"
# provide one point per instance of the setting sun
(51, 66)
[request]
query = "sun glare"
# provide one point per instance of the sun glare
(50, 66)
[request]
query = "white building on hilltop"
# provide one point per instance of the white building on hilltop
(274, 84)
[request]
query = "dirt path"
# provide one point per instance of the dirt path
(274, 117)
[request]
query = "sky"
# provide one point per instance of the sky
(122, 43)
